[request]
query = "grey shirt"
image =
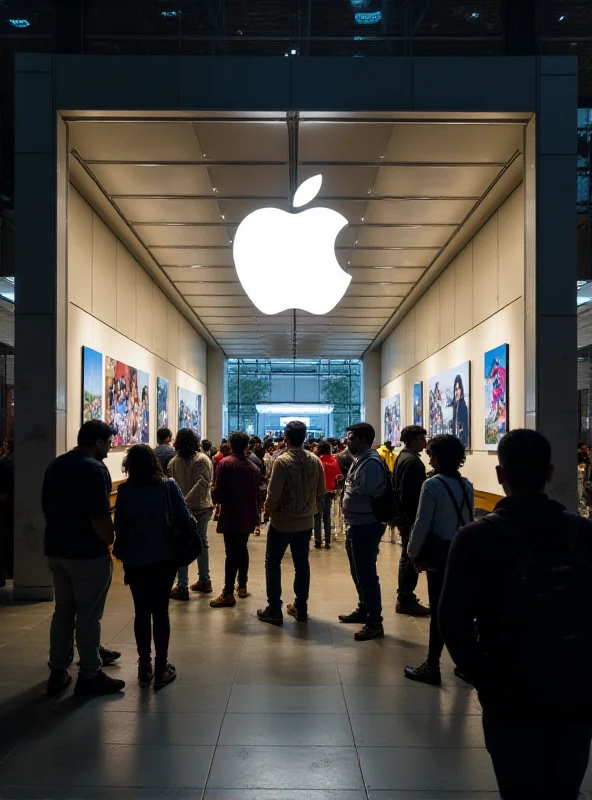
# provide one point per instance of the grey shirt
(365, 480)
(436, 512)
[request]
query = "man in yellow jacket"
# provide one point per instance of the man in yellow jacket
(388, 455)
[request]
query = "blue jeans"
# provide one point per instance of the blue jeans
(325, 515)
(277, 544)
(362, 544)
(203, 562)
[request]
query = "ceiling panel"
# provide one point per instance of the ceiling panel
(416, 212)
(342, 181)
(320, 141)
(388, 258)
(192, 257)
(168, 210)
(382, 276)
(163, 235)
(454, 143)
(413, 236)
(239, 181)
(134, 141)
(434, 181)
(254, 141)
(140, 180)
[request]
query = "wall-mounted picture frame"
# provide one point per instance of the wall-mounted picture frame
(391, 416)
(92, 384)
(127, 400)
(190, 410)
(497, 406)
(418, 403)
(450, 403)
(162, 403)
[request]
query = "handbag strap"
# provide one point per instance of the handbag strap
(167, 504)
(458, 508)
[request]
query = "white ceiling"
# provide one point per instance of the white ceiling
(405, 186)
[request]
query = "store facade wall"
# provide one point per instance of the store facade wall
(115, 308)
(475, 305)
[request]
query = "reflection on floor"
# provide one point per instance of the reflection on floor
(257, 713)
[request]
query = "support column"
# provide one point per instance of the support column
(216, 404)
(371, 391)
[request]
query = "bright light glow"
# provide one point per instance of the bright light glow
(284, 421)
(293, 52)
(19, 23)
(475, 15)
(307, 191)
(368, 17)
(561, 18)
(290, 408)
(286, 261)
(169, 14)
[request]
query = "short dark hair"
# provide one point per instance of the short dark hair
(295, 433)
(162, 434)
(239, 441)
(364, 430)
(450, 452)
(206, 444)
(411, 432)
(324, 449)
(142, 465)
(93, 431)
(186, 443)
(525, 457)
(253, 440)
(388, 443)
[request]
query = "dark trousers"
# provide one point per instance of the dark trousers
(407, 573)
(362, 543)
(436, 644)
(237, 560)
(277, 544)
(150, 587)
(325, 516)
(537, 760)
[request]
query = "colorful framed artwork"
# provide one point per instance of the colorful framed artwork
(190, 405)
(496, 409)
(418, 403)
(449, 403)
(127, 394)
(391, 416)
(162, 402)
(92, 384)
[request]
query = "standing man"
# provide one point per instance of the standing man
(296, 489)
(237, 493)
(78, 533)
(332, 472)
(409, 477)
(387, 452)
(515, 615)
(164, 451)
(365, 481)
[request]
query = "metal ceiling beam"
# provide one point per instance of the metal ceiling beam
(350, 225)
(343, 248)
(216, 198)
(360, 120)
(257, 163)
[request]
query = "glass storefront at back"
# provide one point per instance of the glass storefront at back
(263, 394)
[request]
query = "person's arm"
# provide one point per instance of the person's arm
(200, 478)
(219, 490)
(275, 489)
(100, 507)
(412, 481)
(457, 608)
(321, 483)
(371, 481)
(423, 521)
(179, 510)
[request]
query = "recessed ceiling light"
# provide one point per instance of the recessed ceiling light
(475, 15)
(293, 52)
(196, 266)
(562, 18)
(222, 215)
(363, 218)
(19, 23)
(214, 189)
(169, 14)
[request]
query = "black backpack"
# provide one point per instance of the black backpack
(544, 660)
(384, 507)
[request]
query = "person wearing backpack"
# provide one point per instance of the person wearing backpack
(445, 505)
(365, 482)
(516, 614)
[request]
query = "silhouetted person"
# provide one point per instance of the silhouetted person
(515, 615)
(164, 450)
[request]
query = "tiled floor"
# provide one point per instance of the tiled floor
(257, 713)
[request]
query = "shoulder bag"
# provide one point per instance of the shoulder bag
(185, 543)
(434, 550)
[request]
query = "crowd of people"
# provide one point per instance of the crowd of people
(509, 594)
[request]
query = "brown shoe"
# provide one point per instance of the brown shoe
(224, 601)
(180, 594)
(205, 587)
(299, 616)
(242, 591)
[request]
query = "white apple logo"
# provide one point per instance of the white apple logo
(288, 260)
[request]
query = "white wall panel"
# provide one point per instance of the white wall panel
(485, 251)
(80, 253)
(127, 268)
(410, 339)
(511, 248)
(104, 273)
(463, 290)
(159, 322)
(421, 329)
(447, 305)
(433, 300)
(172, 334)
(144, 309)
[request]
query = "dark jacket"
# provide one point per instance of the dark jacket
(409, 477)
(481, 572)
(237, 492)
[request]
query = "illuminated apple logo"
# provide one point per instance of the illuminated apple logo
(287, 260)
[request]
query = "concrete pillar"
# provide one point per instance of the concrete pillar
(41, 297)
(216, 405)
(371, 391)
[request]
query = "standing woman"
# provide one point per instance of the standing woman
(142, 543)
(192, 470)
(460, 412)
(446, 504)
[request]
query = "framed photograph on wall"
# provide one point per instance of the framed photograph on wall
(418, 403)
(189, 415)
(162, 403)
(92, 384)
(127, 399)
(450, 403)
(496, 410)
(391, 416)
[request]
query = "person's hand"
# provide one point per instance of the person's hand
(418, 568)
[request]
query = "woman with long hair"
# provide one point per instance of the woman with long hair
(192, 470)
(460, 412)
(142, 525)
(446, 503)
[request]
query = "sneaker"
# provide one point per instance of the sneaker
(299, 616)
(271, 615)
(179, 593)
(328, 546)
(205, 587)
(162, 677)
(100, 684)
(357, 617)
(224, 601)
(318, 545)
(59, 680)
(242, 591)
(145, 672)
(108, 656)
(412, 607)
(369, 631)
(424, 674)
